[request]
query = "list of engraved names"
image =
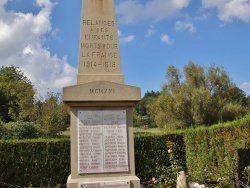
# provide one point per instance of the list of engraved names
(115, 184)
(99, 49)
(102, 141)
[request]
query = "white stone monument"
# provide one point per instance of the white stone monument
(100, 106)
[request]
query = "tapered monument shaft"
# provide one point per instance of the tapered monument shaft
(99, 56)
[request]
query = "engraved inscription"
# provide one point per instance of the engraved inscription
(100, 64)
(98, 37)
(99, 49)
(90, 141)
(107, 184)
(102, 141)
(102, 91)
(99, 46)
(100, 54)
(99, 22)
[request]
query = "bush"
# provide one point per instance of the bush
(21, 130)
(211, 153)
(150, 153)
(40, 162)
(232, 111)
(4, 133)
(153, 159)
(218, 151)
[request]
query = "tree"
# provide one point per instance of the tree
(51, 115)
(16, 95)
(199, 96)
(140, 113)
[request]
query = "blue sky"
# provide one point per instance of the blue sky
(42, 38)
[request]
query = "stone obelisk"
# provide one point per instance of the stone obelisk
(100, 106)
(99, 57)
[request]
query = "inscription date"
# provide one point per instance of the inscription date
(102, 91)
(106, 64)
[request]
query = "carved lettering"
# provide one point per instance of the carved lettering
(98, 37)
(100, 54)
(108, 23)
(99, 46)
(106, 64)
(102, 91)
(99, 148)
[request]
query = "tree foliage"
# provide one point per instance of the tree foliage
(51, 115)
(16, 95)
(198, 96)
(140, 113)
(20, 130)
(21, 115)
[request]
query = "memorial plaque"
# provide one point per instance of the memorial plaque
(102, 141)
(107, 184)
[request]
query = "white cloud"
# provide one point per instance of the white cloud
(202, 17)
(21, 38)
(132, 11)
(228, 10)
(166, 39)
(185, 25)
(150, 31)
(119, 33)
(245, 85)
(125, 39)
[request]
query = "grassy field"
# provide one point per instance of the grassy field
(152, 130)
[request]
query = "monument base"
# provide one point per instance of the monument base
(80, 182)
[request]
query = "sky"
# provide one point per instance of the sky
(41, 37)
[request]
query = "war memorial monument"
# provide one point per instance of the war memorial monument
(100, 106)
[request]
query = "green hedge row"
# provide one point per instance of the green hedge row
(43, 162)
(151, 153)
(218, 151)
(206, 153)
(37, 162)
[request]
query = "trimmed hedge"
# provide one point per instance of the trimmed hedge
(37, 162)
(151, 156)
(151, 153)
(218, 151)
(206, 152)
(44, 162)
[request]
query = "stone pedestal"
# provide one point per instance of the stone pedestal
(102, 141)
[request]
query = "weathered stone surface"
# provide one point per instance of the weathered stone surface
(99, 56)
(100, 105)
(101, 91)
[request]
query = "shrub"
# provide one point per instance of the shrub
(150, 153)
(37, 162)
(211, 153)
(218, 151)
(21, 130)
(153, 159)
(4, 133)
